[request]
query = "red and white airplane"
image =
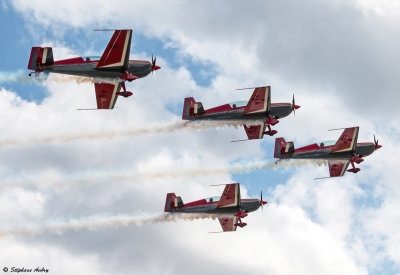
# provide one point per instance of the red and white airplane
(229, 205)
(339, 153)
(113, 68)
(257, 114)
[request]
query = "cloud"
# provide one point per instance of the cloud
(337, 60)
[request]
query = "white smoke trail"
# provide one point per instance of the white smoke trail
(22, 76)
(140, 176)
(109, 134)
(58, 226)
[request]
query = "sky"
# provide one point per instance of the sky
(82, 192)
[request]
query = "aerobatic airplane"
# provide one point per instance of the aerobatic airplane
(229, 205)
(339, 153)
(257, 114)
(113, 68)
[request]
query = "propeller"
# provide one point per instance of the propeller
(294, 106)
(262, 202)
(377, 146)
(154, 67)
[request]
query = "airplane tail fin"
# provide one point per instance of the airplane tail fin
(40, 57)
(172, 202)
(191, 108)
(283, 148)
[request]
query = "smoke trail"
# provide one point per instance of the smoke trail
(109, 134)
(58, 226)
(22, 76)
(95, 177)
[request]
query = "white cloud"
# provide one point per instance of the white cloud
(56, 260)
(327, 54)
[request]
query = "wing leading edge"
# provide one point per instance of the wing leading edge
(106, 94)
(230, 197)
(228, 224)
(347, 141)
(255, 131)
(260, 101)
(116, 54)
(337, 168)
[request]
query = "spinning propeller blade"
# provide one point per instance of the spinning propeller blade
(294, 106)
(377, 146)
(262, 202)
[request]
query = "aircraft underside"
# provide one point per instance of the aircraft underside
(89, 70)
(246, 206)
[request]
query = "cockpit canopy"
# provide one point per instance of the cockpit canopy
(326, 143)
(238, 104)
(91, 58)
(213, 199)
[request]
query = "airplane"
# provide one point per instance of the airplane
(346, 150)
(229, 205)
(113, 68)
(258, 113)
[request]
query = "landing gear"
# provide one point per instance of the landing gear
(240, 223)
(240, 215)
(357, 160)
(125, 93)
(271, 121)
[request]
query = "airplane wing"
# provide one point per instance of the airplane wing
(106, 94)
(230, 197)
(116, 55)
(260, 101)
(228, 224)
(337, 168)
(255, 131)
(347, 141)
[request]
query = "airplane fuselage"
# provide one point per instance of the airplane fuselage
(202, 206)
(315, 151)
(226, 112)
(79, 67)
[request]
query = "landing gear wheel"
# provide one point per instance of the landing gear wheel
(271, 133)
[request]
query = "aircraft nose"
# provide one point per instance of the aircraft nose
(296, 107)
(378, 146)
(263, 202)
(155, 67)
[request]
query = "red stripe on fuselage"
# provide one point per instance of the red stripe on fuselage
(80, 60)
(315, 146)
(218, 109)
(199, 202)
(204, 202)
(227, 107)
